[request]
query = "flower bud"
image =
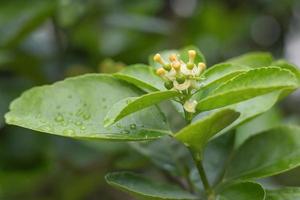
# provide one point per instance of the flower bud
(202, 66)
(190, 106)
(180, 78)
(157, 58)
(173, 57)
(168, 85)
(167, 67)
(192, 55)
(190, 66)
(176, 66)
(160, 71)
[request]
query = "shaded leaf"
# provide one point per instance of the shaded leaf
(130, 105)
(243, 191)
(196, 135)
(268, 153)
(283, 194)
(76, 107)
(143, 187)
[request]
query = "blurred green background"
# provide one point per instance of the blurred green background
(42, 41)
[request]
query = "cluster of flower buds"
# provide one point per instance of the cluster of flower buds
(179, 75)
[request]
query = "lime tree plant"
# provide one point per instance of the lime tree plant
(202, 155)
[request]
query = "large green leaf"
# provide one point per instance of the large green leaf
(130, 105)
(196, 135)
(253, 59)
(266, 154)
(251, 108)
(247, 85)
(216, 76)
(243, 191)
(142, 76)
(143, 187)
(283, 194)
(76, 107)
(286, 65)
(182, 53)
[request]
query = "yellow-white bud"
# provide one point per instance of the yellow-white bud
(202, 66)
(192, 55)
(157, 58)
(160, 71)
(176, 66)
(190, 106)
(173, 58)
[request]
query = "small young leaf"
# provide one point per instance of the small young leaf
(133, 104)
(250, 84)
(266, 154)
(76, 107)
(196, 135)
(253, 59)
(141, 76)
(146, 188)
(291, 193)
(243, 191)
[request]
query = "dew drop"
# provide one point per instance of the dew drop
(69, 132)
(86, 116)
(45, 128)
(78, 123)
(132, 126)
(59, 118)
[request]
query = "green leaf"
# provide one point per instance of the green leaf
(250, 84)
(130, 105)
(266, 154)
(253, 59)
(286, 65)
(243, 191)
(141, 76)
(182, 53)
(291, 193)
(196, 135)
(143, 187)
(216, 76)
(76, 107)
(252, 108)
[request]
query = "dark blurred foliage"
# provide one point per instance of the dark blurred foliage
(45, 41)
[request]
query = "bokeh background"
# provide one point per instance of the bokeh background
(42, 41)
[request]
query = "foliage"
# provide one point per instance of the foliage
(126, 107)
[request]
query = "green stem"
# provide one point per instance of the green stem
(209, 191)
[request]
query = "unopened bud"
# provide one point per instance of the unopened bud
(190, 106)
(167, 67)
(180, 78)
(190, 66)
(192, 55)
(157, 58)
(168, 85)
(173, 57)
(176, 66)
(160, 71)
(202, 66)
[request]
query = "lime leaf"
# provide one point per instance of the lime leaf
(216, 76)
(243, 191)
(76, 107)
(250, 84)
(146, 188)
(196, 135)
(286, 65)
(253, 59)
(266, 154)
(291, 193)
(141, 76)
(130, 105)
